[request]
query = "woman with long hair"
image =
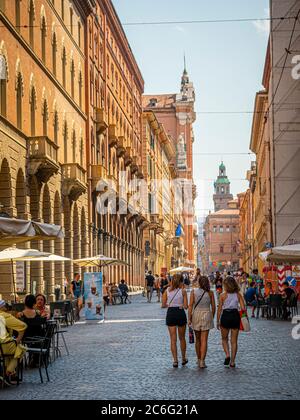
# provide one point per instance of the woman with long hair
(229, 319)
(176, 300)
(202, 310)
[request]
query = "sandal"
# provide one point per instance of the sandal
(227, 362)
(175, 365)
(185, 362)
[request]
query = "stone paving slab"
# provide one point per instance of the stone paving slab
(128, 357)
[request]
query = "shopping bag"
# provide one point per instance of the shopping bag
(191, 336)
(245, 323)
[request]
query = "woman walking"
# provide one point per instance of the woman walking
(202, 310)
(176, 300)
(229, 319)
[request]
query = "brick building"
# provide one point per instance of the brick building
(114, 131)
(176, 113)
(43, 128)
(221, 229)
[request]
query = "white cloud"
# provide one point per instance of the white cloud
(180, 29)
(263, 26)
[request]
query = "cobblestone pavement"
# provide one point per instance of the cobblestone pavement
(128, 358)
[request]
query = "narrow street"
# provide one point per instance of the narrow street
(128, 358)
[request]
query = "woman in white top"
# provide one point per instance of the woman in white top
(229, 318)
(202, 310)
(176, 300)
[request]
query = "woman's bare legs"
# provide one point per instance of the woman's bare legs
(182, 338)
(173, 338)
(234, 345)
(204, 345)
(225, 343)
(198, 344)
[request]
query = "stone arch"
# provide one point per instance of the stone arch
(19, 77)
(20, 195)
(34, 190)
(55, 121)
(33, 105)
(3, 53)
(32, 89)
(48, 246)
(43, 18)
(76, 233)
(32, 15)
(31, 6)
(47, 212)
(6, 188)
(84, 234)
(68, 242)
(65, 138)
(58, 243)
(45, 112)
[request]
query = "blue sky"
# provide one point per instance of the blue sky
(225, 61)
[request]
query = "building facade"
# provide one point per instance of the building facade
(163, 250)
(114, 93)
(176, 113)
(284, 122)
(43, 171)
(221, 230)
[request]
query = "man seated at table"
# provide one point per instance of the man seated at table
(124, 292)
(288, 294)
(11, 346)
(251, 298)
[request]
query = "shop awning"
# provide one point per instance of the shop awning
(284, 254)
(16, 231)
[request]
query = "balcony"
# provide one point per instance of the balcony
(113, 184)
(101, 120)
(74, 181)
(154, 222)
(128, 156)
(134, 165)
(43, 158)
(121, 149)
(140, 172)
(112, 135)
(99, 177)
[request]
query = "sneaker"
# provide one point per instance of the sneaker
(227, 362)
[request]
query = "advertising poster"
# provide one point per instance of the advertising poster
(20, 277)
(93, 295)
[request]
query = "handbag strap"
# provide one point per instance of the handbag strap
(199, 301)
(173, 298)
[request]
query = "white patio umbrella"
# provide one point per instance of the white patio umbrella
(182, 270)
(99, 261)
(51, 258)
(11, 255)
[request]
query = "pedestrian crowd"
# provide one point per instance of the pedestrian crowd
(234, 293)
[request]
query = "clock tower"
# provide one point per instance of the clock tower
(222, 194)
